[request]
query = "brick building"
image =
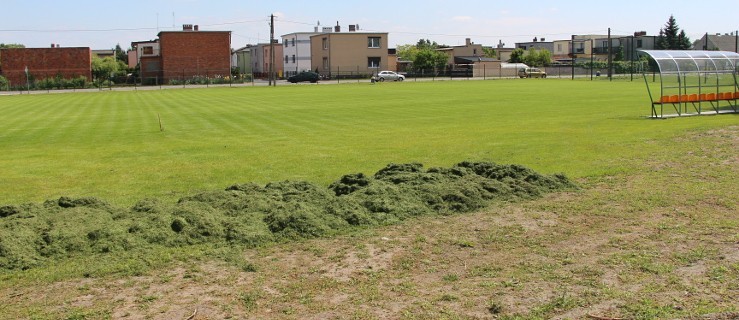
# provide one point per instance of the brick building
(43, 63)
(186, 54)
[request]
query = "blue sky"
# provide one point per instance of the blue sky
(103, 24)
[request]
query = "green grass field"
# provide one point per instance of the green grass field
(109, 144)
(650, 234)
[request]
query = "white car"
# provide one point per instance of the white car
(388, 75)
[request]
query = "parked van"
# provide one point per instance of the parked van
(531, 73)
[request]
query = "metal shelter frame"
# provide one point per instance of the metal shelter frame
(696, 79)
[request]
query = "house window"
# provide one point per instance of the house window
(285, 44)
(605, 44)
(580, 48)
(373, 42)
(638, 43)
(293, 58)
(474, 52)
(325, 43)
(148, 50)
(373, 62)
(286, 59)
(559, 47)
(325, 63)
(293, 42)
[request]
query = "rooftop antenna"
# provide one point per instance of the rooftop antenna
(172, 19)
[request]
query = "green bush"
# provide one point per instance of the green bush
(4, 84)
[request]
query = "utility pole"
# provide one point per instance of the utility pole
(572, 51)
(272, 80)
(610, 59)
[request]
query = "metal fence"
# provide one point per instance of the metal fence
(50, 80)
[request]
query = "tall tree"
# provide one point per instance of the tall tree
(423, 54)
(427, 59)
(120, 55)
(517, 56)
(672, 38)
(537, 58)
(489, 52)
(107, 67)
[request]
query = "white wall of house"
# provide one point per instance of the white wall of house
(296, 51)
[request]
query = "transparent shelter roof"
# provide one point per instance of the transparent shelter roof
(688, 61)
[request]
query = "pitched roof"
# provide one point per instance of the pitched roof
(716, 42)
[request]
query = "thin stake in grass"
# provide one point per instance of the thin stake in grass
(161, 126)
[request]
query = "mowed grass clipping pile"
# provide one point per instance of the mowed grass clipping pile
(251, 215)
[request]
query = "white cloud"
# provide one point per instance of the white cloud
(462, 18)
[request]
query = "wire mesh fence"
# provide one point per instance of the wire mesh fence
(47, 80)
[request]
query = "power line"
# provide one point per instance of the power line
(123, 29)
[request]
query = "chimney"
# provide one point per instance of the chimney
(53, 45)
(327, 29)
(337, 28)
(58, 46)
(467, 41)
(542, 39)
(196, 27)
(186, 27)
(352, 28)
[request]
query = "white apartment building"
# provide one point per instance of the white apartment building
(296, 51)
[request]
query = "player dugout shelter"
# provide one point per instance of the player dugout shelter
(692, 82)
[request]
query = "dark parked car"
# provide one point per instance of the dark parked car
(304, 76)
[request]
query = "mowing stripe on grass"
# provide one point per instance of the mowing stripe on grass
(108, 144)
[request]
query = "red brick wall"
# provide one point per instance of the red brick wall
(45, 63)
(187, 54)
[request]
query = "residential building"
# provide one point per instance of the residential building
(260, 59)
(20, 65)
(392, 59)
(102, 54)
(180, 55)
(562, 50)
(596, 47)
(460, 54)
(639, 41)
(537, 44)
(502, 53)
(278, 63)
(145, 54)
(725, 42)
(296, 52)
(349, 53)
(193, 53)
(601, 47)
(241, 59)
(581, 47)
